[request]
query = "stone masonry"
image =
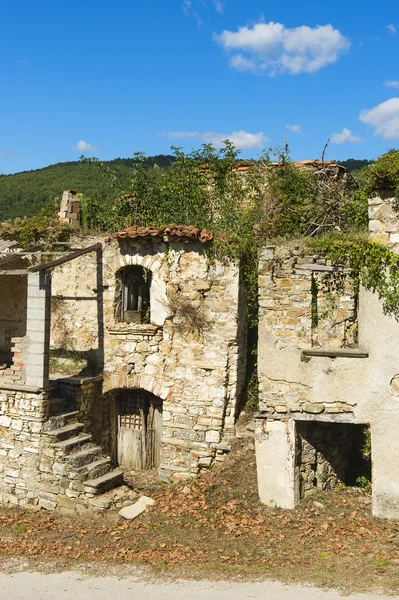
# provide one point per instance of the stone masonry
(323, 373)
(58, 438)
(198, 371)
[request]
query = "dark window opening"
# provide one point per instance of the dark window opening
(134, 295)
(330, 454)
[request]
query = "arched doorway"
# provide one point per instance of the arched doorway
(139, 422)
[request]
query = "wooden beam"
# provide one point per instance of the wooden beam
(65, 259)
(14, 272)
(336, 352)
(16, 255)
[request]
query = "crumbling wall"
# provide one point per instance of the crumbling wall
(323, 455)
(193, 361)
(289, 381)
(383, 217)
(13, 301)
(354, 383)
(70, 208)
(74, 304)
(15, 373)
(192, 355)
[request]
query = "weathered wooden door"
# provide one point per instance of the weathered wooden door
(139, 429)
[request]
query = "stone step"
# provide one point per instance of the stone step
(57, 421)
(65, 433)
(67, 446)
(58, 406)
(104, 483)
(97, 468)
(84, 456)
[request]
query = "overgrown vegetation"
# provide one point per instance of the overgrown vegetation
(246, 204)
(43, 227)
(26, 193)
(372, 265)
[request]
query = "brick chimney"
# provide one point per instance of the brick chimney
(70, 208)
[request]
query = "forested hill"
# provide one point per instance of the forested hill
(24, 194)
(355, 164)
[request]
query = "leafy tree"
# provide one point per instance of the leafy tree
(24, 194)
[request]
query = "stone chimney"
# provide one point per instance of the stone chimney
(70, 208)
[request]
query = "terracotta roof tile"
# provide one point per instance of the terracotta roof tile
(180, 231)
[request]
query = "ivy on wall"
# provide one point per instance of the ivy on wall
(372, 265)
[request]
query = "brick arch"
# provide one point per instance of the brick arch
(152, 263)
(159, 301)
(135, 382)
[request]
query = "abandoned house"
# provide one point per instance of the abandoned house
(328, 371)
(159, 334)
(162, 333)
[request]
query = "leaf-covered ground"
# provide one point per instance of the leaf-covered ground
(215, 526)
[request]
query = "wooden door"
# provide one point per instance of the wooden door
(139, 430)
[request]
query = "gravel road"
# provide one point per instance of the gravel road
(73, 586)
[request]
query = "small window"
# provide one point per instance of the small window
(135, 295)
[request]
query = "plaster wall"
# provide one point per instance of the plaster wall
(275, 463)
(326, 389)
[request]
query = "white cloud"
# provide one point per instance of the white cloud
(176, 135)
(297, 129)
(273, 48)
(82, 146)
(240, 63)
(189, 11)
(392, 29)
(241, 139)
(345, 137)
(384, 118)
(393, 84)
(186, 6)
(218, 6)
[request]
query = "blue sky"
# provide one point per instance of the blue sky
(111, 78)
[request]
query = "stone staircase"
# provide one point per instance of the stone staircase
(78, 461)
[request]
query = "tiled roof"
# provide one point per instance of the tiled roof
(180, 231)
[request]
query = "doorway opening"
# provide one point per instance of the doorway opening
(139, 422)
(330, 454)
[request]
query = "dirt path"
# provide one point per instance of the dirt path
(72, 585)
(214, 528)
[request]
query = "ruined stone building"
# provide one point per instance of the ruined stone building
(162, 334)
(159, 335)
(327, 370)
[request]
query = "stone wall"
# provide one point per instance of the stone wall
(353, 381)
(97, 411)
(323, 455)
(74, 303)
(15, 373)
(70, 209)
(192, 354)
(12, 312)
(22, 415)
(383, 218)
(292, 317)
(196, 365)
